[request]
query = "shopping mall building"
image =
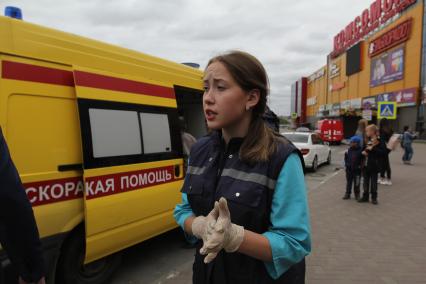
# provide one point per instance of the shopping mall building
(380, 56)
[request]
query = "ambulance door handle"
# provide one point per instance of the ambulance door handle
(70, 167)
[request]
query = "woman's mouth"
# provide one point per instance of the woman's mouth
(210, 115)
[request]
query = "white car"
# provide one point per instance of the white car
(315, 152)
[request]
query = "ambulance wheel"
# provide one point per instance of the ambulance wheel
(71, 269)
(329, 158)
(315, 164)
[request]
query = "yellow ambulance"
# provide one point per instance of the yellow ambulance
(94, 132)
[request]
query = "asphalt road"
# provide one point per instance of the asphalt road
(166, 259)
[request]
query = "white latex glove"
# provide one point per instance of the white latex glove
(225, 236)
(203, 226)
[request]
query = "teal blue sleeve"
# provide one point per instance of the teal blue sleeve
(183, 211)
(290, 233)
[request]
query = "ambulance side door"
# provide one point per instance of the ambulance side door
(132, 152)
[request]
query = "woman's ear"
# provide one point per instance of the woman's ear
(253, 98)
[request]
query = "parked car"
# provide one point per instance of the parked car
(314, 150)
(303, 129)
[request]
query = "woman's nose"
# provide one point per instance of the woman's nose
(208, 97)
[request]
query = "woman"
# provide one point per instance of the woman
(259, 231)
(373, 152)
(386, 133)
(362, 125)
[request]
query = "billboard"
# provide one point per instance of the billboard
(377, 15)
(353, 59)
(406, 97)
(387, 67)
(391, 38)
(369, 103)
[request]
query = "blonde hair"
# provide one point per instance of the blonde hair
(362, 124)
(373, 127)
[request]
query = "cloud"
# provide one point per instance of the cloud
(291, 38)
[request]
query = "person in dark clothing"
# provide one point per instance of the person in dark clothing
(407, 142)
(244, 194)
(18, 230)
(271, 119)
(353, 165)
(385, 133)
(373, 153)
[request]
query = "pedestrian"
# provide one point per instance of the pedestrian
(385, 133)
(362, 124)
(407, 144)
(18, 230)
(187, 140)
(271, 119)
(259, 230)
(373, 153)
(353, 165)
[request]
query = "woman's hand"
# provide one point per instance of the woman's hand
(202, 226)
(225, 235)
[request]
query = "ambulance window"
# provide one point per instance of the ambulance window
(155, 133)
(114, 133)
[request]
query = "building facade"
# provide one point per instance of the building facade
(378, 57)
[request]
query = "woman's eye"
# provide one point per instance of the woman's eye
(206, 88)
(221, 88)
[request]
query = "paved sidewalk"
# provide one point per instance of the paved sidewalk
(364, 243)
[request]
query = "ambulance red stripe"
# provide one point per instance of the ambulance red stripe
(52, 191)
(40, 74)
(100, 186)
(92, 80)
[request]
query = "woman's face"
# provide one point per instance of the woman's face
(370, 132)
(224, 101)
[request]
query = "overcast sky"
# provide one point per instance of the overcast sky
(291, 38)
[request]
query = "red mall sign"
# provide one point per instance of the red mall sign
(391, 38)
(379, 13)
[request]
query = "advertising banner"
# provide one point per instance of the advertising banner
(369, 102)
(391, 38)
(387, 67)
(335, 109)
(356, 103)
(423, 101)
(345, 105)
(367, 114)
(406, 97)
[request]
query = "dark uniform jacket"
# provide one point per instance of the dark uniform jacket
(216, 172)
(18, 230)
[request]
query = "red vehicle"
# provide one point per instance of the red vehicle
(331, 130)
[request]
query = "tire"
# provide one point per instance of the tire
(315, 164)
(329, 158)
(71, 270)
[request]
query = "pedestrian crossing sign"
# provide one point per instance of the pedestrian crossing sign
(386, 110)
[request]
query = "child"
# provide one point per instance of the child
(353, 165)
(374, 152)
